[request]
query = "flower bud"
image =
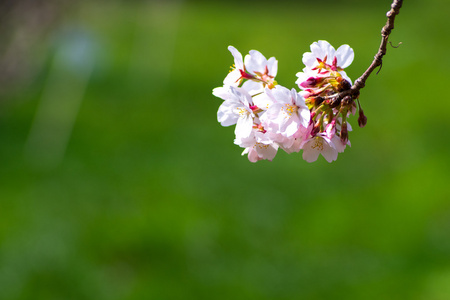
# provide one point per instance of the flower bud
(362, 119)
(316, 129)
(311, 82)
(344, 133)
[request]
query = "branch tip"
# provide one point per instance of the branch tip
(378, 59)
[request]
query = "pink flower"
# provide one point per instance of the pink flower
(319, 144)
(323, 52)
(323, 61)
(260, 151)
(258, 146)
(235, 110)
(234, 78)
(258, 71)
(287, 113)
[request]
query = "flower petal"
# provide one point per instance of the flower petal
(238, 62)
(255, 62)
(344, 55)
(322, 49)
(266, 151)
(309, 60)
(226, 115)
(233, 78)
(222, 92)
(310, 154)
(329, 153)
(253, 87)
(272, 66)
(244, 126)
(282, 95)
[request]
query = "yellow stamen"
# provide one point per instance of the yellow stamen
(290, 109)
(318, 144)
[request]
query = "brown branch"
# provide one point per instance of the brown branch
(378, 59)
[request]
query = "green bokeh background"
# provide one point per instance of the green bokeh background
(150, 198)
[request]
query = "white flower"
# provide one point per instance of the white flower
(340, 147)
(260, 151)
(256, 64)
(269, 116)
(324, 60)
(287, 113)
(235, 110)
(234, 78)
(319, 144)
(323, 51)
(259, 71)
(258, 146)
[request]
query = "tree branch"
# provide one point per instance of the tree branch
(378, 59)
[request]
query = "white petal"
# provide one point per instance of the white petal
(253, 87)
(253, 155)
(272, 114)
(222, 92)
(344, 55)
(305, 116)
(302, 76)
(272, 66)
(241, 95)
(321, 49)
(238, 62)
(244, 127)
(266, 151)
(291, 145)
(282, 95)
(255, 62)
(263, 101)
(292, 126)
(338, 144)
(310, 154)
(298, 99)
(309, 60)
(233, 78)
(329, 153)
(226, 115)
(349, 127)
(246, 142)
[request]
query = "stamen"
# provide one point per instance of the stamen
(318, 144)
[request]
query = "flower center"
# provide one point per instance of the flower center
(242, 111)
(318, 144)
(290, 109)
(261, 146)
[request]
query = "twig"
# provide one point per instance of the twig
(378, 59)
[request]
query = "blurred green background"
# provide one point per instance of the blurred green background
(117, 182)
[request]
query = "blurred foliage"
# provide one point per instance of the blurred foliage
(118, 182)
(23, 26)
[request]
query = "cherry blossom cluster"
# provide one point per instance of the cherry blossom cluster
(268, 116)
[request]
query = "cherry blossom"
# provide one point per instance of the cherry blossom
(319, 144)
(325, 65)
(257, 71)
(288, 111)
(269, 116)
(258, 146)
(236, 110)
(323, 53)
